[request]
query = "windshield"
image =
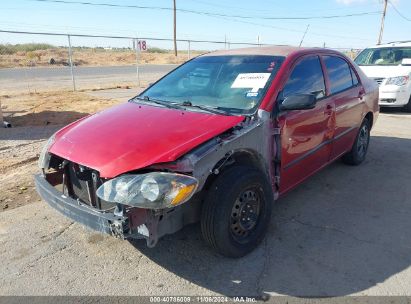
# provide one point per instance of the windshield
(383, 56)
(235, 84)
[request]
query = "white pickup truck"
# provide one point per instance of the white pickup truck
(390, 66)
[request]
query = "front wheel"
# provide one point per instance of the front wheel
(359, 150)
(407, 107)
(236, 211)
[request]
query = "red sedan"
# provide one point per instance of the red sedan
(217, 140)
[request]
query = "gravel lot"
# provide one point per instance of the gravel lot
(346, 231)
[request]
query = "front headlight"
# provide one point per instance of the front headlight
(398, 81)
(155, 190)
(44, 158)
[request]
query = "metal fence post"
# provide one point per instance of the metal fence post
(137, 65)
(71, 63)
(188, 49)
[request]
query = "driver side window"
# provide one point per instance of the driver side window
(306, 78)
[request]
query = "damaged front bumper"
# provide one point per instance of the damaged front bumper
(103, 222)
(133, 223)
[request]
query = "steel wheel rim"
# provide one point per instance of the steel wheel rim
(245, 213)
(363, 139)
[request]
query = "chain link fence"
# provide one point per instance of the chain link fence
(46, 61)
(32, 62)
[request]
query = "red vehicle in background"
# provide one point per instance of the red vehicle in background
(217, 140)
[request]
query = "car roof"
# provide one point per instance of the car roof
(393, 44)
(277, 50)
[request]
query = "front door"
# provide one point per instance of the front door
(305, 134)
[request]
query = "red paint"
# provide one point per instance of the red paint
(133, 136)
(130, 136)
(307, 130)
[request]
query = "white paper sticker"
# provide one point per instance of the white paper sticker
(254, 81)
(251, 94)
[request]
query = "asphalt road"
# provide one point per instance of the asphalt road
(346, 231)
(40, 78)
(51, 72)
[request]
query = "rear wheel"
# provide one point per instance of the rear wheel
(359, 150)
(237, 211)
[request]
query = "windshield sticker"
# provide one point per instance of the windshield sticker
(251, 94)
(254, 81)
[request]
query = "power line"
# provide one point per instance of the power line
(209, 13)
(292, 30)
(398, 12)
(124, 37)
(231, 18)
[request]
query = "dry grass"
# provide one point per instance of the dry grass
(87, 57)
(33, 116)
(50, 108)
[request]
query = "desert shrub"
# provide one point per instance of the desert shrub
(157, 50)
(8, 49)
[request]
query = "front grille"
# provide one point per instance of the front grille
(79, 186)
(378, 80)
(83, 184)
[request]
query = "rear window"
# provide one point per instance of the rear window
(339, 73)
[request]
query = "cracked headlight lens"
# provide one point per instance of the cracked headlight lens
(150, 189)
(155, 190)
(398, 81)
(44, 158)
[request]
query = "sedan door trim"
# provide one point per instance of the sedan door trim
(312, 151)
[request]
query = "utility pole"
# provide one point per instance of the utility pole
(175, 29)
(382, 21)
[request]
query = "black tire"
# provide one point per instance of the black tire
(407, 107)
(359, 150)
(241, 188)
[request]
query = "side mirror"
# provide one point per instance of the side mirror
(298, 102)
(406, 61)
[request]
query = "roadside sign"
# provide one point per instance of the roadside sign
(141, 45)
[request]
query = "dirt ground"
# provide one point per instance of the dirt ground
(345, 231)
(89, 57)
(34, 118)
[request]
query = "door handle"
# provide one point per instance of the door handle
(328, 110)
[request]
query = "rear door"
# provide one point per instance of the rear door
(305, 134)
(346, 93)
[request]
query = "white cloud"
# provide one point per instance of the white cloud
(348, 2)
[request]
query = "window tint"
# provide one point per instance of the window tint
(383, 56)
(306, 78)
(339, 73)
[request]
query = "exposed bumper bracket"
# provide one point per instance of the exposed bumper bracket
(100, 221)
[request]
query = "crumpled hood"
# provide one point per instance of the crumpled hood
(132, 136)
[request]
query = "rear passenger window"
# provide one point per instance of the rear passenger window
(355, 80)
(339, 73)
(306, 78)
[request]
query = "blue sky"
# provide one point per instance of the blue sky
(353, 32)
